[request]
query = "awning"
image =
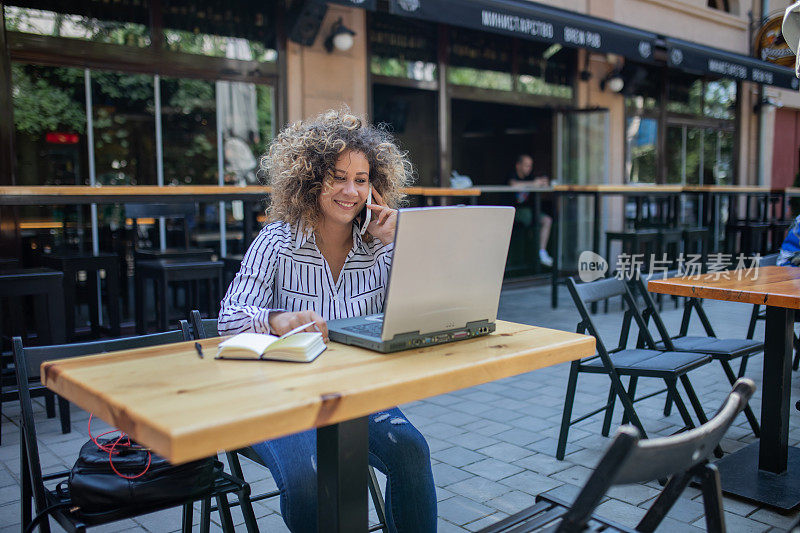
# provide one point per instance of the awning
(526, 20)
(693, 57)
(369, 5)
(529, 20)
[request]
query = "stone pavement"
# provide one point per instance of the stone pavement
(492, 446)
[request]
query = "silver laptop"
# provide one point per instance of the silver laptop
(444, 283)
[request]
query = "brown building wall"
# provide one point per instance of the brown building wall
(786, 143)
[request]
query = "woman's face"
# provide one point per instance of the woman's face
(345, 193)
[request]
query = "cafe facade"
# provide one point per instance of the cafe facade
(158, 92)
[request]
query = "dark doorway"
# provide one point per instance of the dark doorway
(488, 137)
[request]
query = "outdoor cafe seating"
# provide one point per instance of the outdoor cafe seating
(42, 498)
(645, 361)
(679, 459)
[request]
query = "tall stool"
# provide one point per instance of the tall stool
(777, 233)
(670, 244)
(71, 263)
(164, 272)
(638, 241)
(45, 286)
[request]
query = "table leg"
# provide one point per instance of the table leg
(342, 467)
(763, 471)
(777, 386)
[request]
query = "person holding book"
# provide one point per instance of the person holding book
(325, 254)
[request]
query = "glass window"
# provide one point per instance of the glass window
(123, 110)
(641, 136)
(218, 46)
(720, 99)
(189, 130)
(400, 68)
(484, 79)
(675, 150)
(50, 124)
(694, 156)
(402, 47)
(717, 157)
(685, 95)
(84, 27)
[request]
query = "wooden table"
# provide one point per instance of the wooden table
(185, 407)
(765, 471)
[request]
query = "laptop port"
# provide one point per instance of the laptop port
(460, 335)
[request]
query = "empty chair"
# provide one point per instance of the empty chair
(722, 350)
(682, 458)
(205, 328)
(622, 361)
(27, 362)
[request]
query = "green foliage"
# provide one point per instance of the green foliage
(485, 79)
(41, 106)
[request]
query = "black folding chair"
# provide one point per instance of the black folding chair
(622, 361)
(57, 504)
(722, 350)
(203, 328)
(682, 458)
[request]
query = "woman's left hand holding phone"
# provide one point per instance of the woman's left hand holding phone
(384, 219)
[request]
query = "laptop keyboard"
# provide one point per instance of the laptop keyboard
(370, 328)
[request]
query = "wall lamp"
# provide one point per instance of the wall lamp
(613, 81)
(340, 37)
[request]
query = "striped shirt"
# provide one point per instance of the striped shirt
(284, 271)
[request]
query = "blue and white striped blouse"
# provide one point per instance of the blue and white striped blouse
(284, 270)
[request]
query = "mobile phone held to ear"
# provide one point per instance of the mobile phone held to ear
(366, 216)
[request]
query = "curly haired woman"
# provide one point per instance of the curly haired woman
(311, 263)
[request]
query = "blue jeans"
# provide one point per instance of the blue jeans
(396, 448)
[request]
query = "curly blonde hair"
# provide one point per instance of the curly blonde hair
(302, 157)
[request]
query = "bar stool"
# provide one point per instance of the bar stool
(695, 241)
(639, 241)
(750, 236)
(777, 233)
(166, 271)
(670, 244)
(45, 286)
(71, 263)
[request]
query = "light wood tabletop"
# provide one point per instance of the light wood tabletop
(773, 286)
(185, 407)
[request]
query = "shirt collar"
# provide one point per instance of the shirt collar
(304, 234)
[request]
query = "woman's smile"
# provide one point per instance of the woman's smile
(345, 205)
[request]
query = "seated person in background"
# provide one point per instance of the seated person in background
(789, 254)
(311, 263)
(523, 175)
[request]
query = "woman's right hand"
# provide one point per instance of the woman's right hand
(281, 322)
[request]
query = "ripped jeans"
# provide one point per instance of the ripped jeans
(396, 448)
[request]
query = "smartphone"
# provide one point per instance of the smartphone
(366, 214)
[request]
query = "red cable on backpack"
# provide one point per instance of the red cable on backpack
(111, 449)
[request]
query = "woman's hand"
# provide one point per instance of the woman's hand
(384, 219)
(281, 322)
